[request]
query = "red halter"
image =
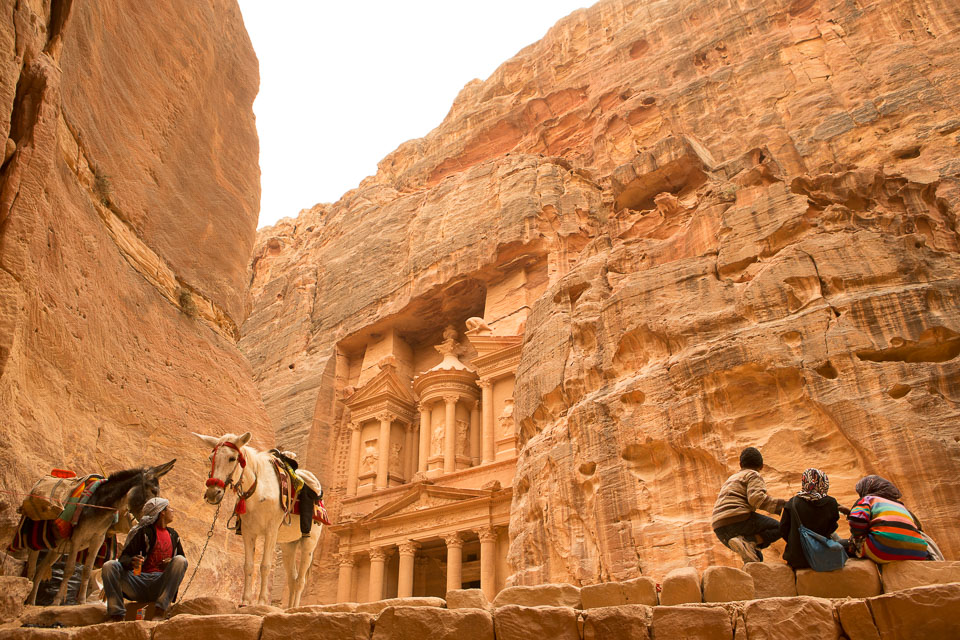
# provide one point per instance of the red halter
(215, 482)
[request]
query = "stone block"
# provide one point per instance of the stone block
(203, 606)
(20, 633)
(335, 626)
(858, 579)
(790, 619)
(467, 599)
(132, 630)
(13, 591)
(413, 623)
(856, 621)
(681, 586)
(213, 627)
(921, 612)
(772, 580)
(897, 576)
(340, 607)
(612, 594)
(726, 584)
(379, 605)
(67, 616)
(609, 623)
(543, 595)
(258, 610)
(682, 623)
(514, 622)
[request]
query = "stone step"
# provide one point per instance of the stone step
(920, 612)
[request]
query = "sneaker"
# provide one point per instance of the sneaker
(747, 550)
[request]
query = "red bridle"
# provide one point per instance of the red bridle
(241, 460)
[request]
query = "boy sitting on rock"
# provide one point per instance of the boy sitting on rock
(735, 518)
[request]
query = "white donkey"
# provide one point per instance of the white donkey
(258, 484)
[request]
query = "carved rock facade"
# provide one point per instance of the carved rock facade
(713, 227)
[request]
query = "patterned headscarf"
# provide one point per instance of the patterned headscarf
(814, 484)
(151, 511)
(877, 486)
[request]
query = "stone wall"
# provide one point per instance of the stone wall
(922, 601)
(128, 204)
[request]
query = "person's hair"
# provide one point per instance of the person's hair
(750, 458)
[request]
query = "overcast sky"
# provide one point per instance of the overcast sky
(343, 83)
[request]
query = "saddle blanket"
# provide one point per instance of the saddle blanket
(42, 535)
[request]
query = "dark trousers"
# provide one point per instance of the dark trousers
(756, 525)
(160, 588)
(308, 498)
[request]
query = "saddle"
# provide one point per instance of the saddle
(292, 480)
(51, 494)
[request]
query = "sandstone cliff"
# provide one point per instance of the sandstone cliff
(748, 213)
(128, 203)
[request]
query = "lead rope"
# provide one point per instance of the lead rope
(202, 551)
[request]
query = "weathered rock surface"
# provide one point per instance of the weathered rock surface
(922, 612)
(708, 623)
(790, 618)
(625, 621)
(857, 579)
(13, 591)
(772, 580)
(513, 622)
(906, 575)
(748, 220)
(681, 586)
(402, 623)
(727, 584)
(335, 626)
(127, 212)
(641, 590)
(466, 599)
(545, 595)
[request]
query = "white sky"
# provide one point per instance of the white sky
(343, 83)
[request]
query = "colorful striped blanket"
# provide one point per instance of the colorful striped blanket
(42, 535)
(79, 497)
(885, 530)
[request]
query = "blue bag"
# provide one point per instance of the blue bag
(822, 553)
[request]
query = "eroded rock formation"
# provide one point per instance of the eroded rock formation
(737, 226)
(128, 203)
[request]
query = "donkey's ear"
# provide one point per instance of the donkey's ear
(244, 439)
(210, 441)
(163, 469)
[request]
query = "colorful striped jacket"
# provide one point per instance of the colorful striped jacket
(887, 530)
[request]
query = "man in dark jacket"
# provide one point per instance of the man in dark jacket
(814, 509)
(151, 565)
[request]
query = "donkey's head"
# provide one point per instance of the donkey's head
(148, 487)
(226, 456)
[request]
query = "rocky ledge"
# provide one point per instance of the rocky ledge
(906, 600)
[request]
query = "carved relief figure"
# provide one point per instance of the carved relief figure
(506, 418)
(436, 440)
(395, 459)
(462, 439)
(368, 462)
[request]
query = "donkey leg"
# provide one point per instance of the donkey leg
(266, 564)
(307, 547)
(249, 550)
(41, 567)
(289, 558)
(68, 568)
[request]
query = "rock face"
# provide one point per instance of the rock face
(127, 211)
(747, 221)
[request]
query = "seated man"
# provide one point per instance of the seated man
(151, 565)
(735, 519)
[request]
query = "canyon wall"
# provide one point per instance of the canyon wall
(129, 194)
(744, 214)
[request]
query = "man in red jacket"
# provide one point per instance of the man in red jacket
(151, 565)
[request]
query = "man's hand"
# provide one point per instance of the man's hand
(844, 510)
(136, 563)
(165, 562)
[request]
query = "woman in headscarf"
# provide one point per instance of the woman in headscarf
(883, 529)
(813, 508)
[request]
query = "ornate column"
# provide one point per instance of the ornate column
(408, 552)
(353, 462)
(486, 404)
(345, 580)
(378, 557)
(450, 435)
(383, 459)
(409, 454)
(488, 562)
(454, 560)
(424, 437)
(475, 433)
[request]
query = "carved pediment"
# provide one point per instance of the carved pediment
(423, 498)
(385, 387)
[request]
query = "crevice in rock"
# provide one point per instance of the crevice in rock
(937, 344)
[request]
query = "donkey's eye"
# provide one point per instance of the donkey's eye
(233, 458)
